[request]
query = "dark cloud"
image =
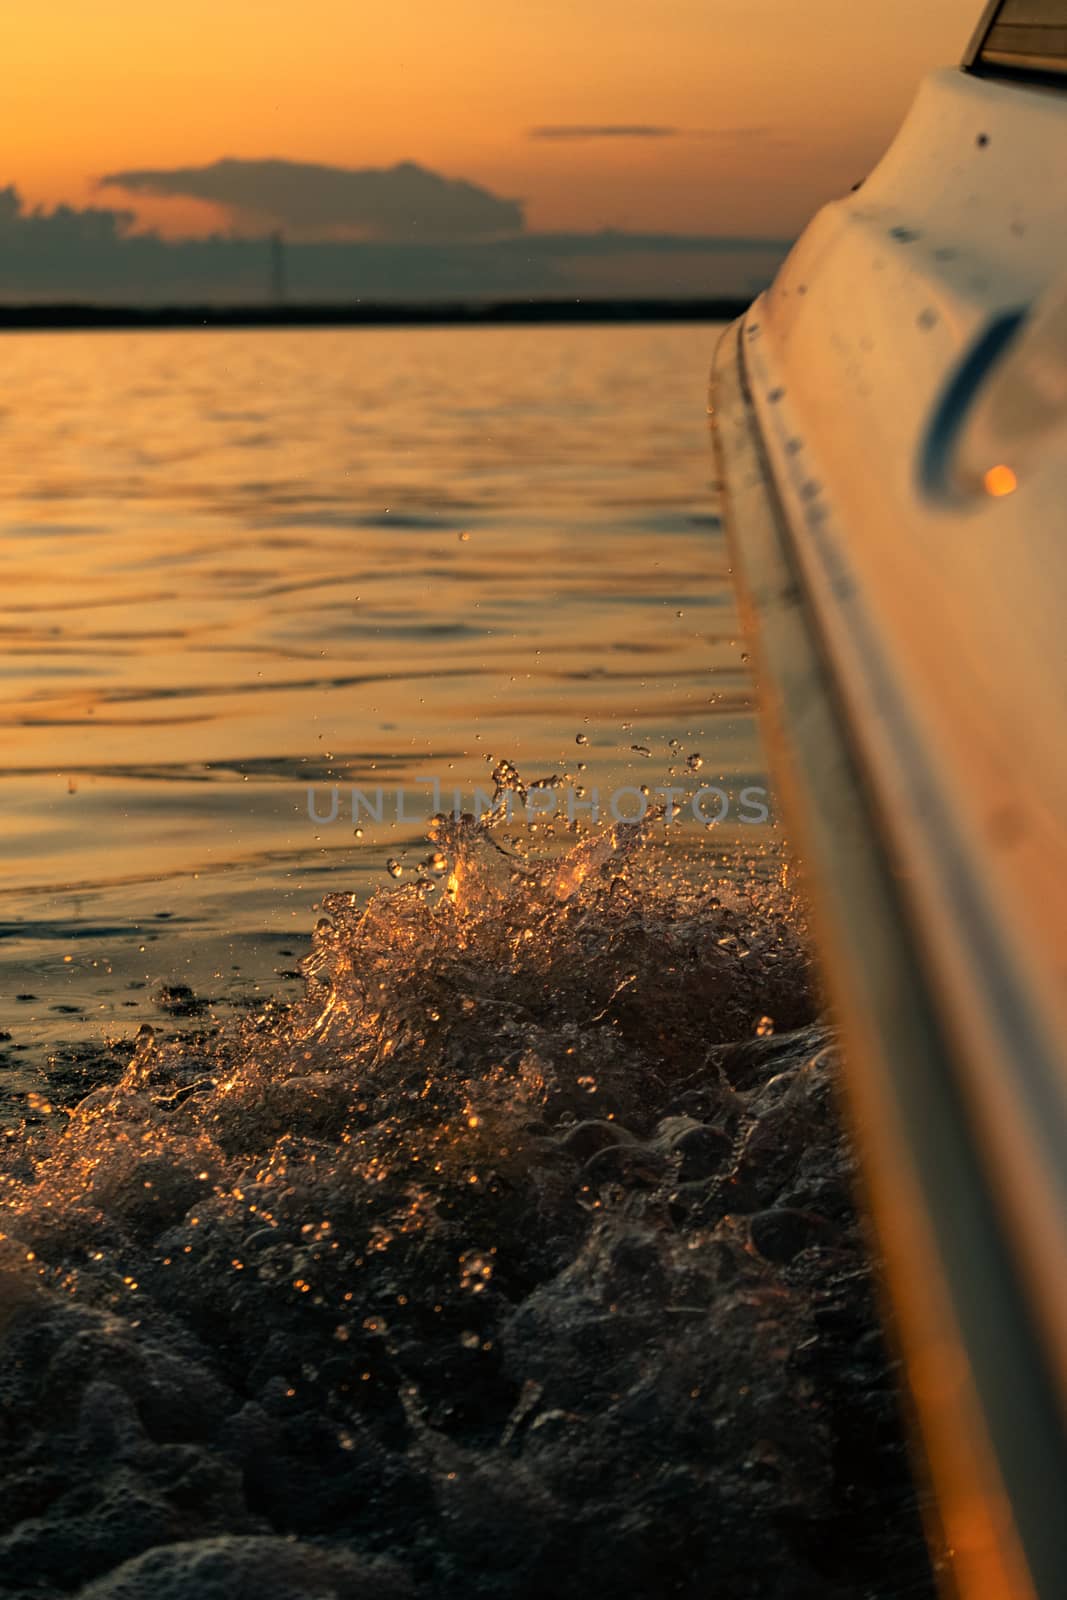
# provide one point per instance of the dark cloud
(733, 133)
(637, 130)
(314, 201)
(93, 256)
(604, 130)
(65, 225)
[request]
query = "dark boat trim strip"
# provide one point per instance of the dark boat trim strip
(902, 1075)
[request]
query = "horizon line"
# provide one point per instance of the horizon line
(75, 315)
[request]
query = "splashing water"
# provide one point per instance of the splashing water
(516, 1258)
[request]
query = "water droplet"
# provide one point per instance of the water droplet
(469, 1340)
(464, 537)
(393, 867)
(694, 762)
(581, 738)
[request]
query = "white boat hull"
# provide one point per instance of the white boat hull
(891, 421)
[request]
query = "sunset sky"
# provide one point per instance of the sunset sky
(771, 106)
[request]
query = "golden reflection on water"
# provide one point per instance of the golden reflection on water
(236, 563)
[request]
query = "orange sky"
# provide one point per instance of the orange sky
(457, 84)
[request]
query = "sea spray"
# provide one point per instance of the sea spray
(517, 1258)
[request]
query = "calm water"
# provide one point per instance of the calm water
(236, 564)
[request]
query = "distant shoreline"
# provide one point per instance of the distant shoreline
(15, 318)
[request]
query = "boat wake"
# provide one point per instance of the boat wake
(516, 1258)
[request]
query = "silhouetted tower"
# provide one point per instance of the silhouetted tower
(277, 268)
